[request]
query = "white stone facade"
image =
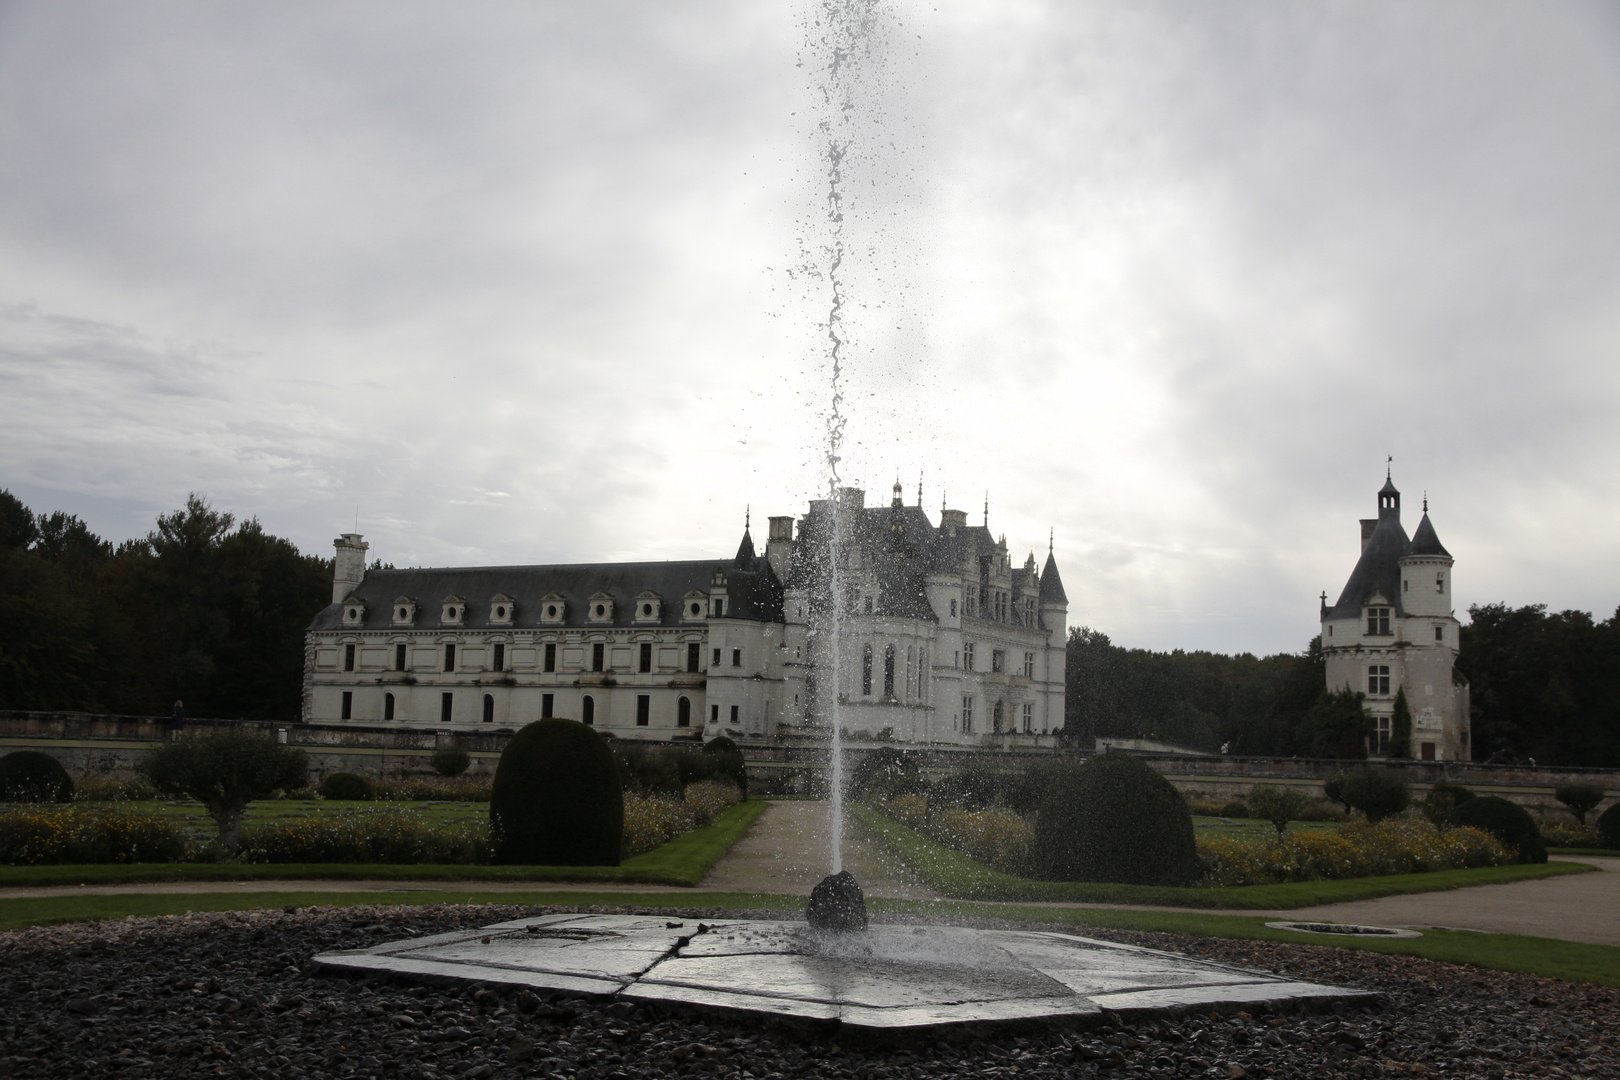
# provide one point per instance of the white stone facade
(708, 647)
(1394, 627)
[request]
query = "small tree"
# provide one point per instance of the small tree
(225, 771)
(1440, 805)
(1337, 726)
(1333, 788)
(451, 761)
(1400, 727)
(1581, 799)
(1378, 793)
(1278, 805)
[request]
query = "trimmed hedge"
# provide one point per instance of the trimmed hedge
(1608, 827)
(556, 799)
(1114, 819)
(347, 787)
(451, 761)
(30, 776)
(1508, 822)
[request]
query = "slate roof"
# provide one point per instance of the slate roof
(1379, 568)
(1051, 584)
(752, 589)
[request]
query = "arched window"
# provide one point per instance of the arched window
(888, 671)
(683, 713)
(489, 708)
(388, 706)
(587, 712)
(866, 671)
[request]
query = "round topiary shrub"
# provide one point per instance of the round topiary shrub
(1236, 808)
(1440, 805)
(449, 761)
(33, 777)
(1378, 793)
(1608, 827)
(347, 787)
(556, 799)
(1508, 822)
(1114, 819)
(728, 762)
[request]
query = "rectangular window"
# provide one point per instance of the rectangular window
(967, 656)
(399, 657)
(1439, 633)
(1029, 665)
(551, 657)
(548, 706)
(500, 657)
(1378, 620)
(953, 609)
(1440, 583)
(598, 651)
(646, 656)
(1378, 680)
(719, 607)
(643, 709)
(450, 657)
(348, 658)
(1029, 718)
(967, 714)
(736, 658)
(717, 658)
(445, 701)
(998, 659)
(348, 702)
(1383, 736)
(866, 670)
(714, 714)
(693, 656)
(734, 716)
(388, 706)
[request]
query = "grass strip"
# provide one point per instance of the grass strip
(1573, 961)
(683, 861)
(1602, 853)
(956, 875)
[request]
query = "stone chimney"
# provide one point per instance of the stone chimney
(349, 567)
(779, 548)
(952, 520)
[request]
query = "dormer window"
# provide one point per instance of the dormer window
(649, 607)
(404, 611)
(501, 610)
(553, 609)
(601, 608)
(453, 611)
(1378, 621)
(693, 604)
(354, 611)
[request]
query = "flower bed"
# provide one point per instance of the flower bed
(37, 836)
(995, 836)
(1356, 850)
(652, 821)
(367, 836)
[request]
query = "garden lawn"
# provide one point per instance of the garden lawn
(950, 872)
(683, 861)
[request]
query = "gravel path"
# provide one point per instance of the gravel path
(225, 994)
(787, 848)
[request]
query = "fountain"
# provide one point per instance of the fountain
(835, 974)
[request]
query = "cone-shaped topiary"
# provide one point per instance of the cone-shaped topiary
(1114, 819)
(728, 762)
(1608, 827)
(556, 799)
(1508, 822)
(33, 776)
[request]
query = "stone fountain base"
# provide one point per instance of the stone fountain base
(888, 982)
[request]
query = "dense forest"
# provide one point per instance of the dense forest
(202, 609)
(1545, 686)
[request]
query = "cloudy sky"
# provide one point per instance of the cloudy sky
(524, 283)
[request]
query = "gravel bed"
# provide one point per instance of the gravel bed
(227, 995)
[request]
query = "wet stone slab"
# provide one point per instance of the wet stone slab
(890, 979)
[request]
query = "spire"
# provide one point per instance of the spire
(1425, 541)
(745, 550)
(1052, 583)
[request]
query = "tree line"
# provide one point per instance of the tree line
(1545, 686)
(202, 609)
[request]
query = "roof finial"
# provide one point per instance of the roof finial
(1425, 500)
(942, 498)
(1051, 540)
(919, 488)
(748, 516)
(987, 508)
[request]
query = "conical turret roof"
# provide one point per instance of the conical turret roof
(1425, 541)
(745, 550)
(1052, 584)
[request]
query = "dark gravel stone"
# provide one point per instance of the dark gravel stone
(837, 903)
(160, 991)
